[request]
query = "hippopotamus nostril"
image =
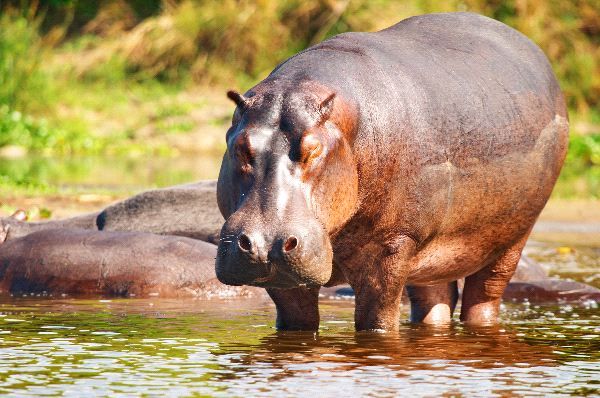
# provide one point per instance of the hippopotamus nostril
(290, 244)
(245, 243)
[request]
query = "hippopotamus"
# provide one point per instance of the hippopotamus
(188, 210)
(409, 157)
(413, 157)
(156, 243)
(79, 262)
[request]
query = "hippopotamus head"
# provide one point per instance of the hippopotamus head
(288, 181)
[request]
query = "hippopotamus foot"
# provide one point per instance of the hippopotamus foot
(297, 308)
(433, 304)
(483, 290)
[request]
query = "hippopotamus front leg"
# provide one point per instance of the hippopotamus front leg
(483, 290)
(433, 304)
(379, 282)
(297, 308)
(379, 295)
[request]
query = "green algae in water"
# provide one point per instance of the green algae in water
(196, 348)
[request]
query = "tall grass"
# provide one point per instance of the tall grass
(25, 87)
(117, 51)
(218, 40)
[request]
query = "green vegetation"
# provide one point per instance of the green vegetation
(580, 176)
(146, 78)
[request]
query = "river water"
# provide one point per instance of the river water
(153, 347)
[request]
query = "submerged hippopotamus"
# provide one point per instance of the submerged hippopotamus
(413, 156)
(79, 262)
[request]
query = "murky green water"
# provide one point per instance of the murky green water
(197, 348)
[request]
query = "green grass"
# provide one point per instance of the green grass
(23, 84)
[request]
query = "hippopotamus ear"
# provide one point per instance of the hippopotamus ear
(238, 98)
(326, 107)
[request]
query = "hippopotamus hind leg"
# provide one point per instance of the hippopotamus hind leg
(483, 290)
(432, 304)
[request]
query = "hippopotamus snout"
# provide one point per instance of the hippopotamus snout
(290, 256)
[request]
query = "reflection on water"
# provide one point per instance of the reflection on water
(159, 347)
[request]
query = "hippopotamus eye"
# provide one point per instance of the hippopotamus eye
(310, 148)
(241, 152)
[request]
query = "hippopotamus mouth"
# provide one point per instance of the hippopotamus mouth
(278, 278)
(276, 268)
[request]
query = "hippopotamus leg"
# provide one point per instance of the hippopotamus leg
(378, 286)
(433, 304)
(297, 308)
(482, 292)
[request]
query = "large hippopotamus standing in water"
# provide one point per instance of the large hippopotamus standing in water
(413, 156)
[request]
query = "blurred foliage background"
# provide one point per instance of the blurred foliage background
(144, 79)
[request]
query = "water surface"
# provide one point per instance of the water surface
(153, 347)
